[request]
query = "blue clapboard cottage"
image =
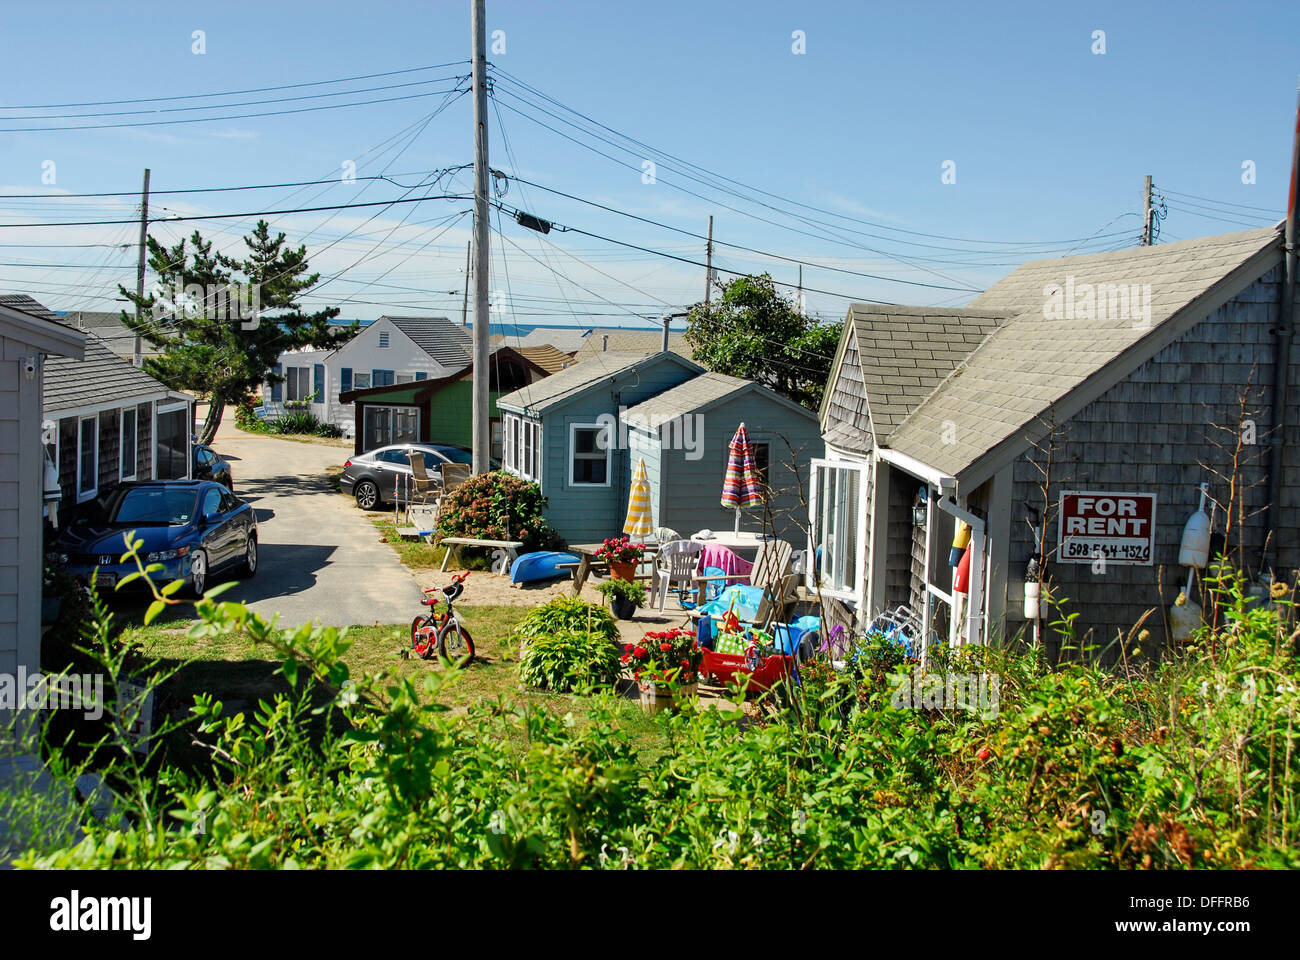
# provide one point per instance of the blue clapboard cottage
(553, 432)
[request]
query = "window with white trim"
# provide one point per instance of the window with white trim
(297, 384)
(522, 447)
(386, 425)
(127, 444)
(361, 381)
(589, 455)
(87, 457)
(838, 539)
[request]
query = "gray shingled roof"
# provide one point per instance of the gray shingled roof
(102, 377)
(632, 341)
(904, 353)
(1031, 363)
(30, 306)
(572, 380)
(685, 398)
(448, 343)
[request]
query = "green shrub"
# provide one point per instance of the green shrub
(496, 506)
(1193, 762)
(568, 660)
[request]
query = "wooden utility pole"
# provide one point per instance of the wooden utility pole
(481, 424)
(464, 302)
(1146, 213)
(708, 264)
(137, 358)
(800, 295)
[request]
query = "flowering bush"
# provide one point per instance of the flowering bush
(664, 655)
(620, 550)
(496, 506)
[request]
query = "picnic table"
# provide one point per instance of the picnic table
(587, 556)
(510, 548)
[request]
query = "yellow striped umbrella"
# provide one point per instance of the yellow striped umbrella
(639, 519)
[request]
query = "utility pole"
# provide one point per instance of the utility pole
(464, 302)
(800, 295)
(139, 270)
(1146, 213)
(708, 264)
(481, 424)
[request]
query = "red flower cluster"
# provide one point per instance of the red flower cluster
(620, 550)
(667, 655)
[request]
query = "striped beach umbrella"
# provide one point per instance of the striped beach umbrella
(740, 485)
(639, 521)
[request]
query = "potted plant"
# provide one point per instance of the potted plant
(624, 597)
(665, 665)
(622, 555)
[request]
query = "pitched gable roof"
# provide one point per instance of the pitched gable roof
(581, 376)
(1032, 363)
(898, 355)
(698, 394)
(547, 357)
(448, 343)
(29, 305)
(101, 378)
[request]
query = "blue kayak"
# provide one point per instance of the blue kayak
(540, 566)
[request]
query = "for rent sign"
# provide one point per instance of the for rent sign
(1115, 527)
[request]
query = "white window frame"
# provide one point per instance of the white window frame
(357, 377)
(509, 429)
(390, 408)
(135, 443)
(522, 447)
(854, 589)
(403, 378)
(609, 464)
(84, 495)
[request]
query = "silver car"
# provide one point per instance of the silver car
(384, 474)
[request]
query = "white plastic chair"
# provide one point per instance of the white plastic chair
(676, 564)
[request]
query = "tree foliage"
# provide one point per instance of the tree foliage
(207, 348)
(754, 332)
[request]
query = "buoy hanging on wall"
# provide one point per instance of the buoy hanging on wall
(1195, 548)
(961, 578)
(960, 541)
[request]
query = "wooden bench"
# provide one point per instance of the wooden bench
(511, 548)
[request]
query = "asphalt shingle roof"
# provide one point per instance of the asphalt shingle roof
(1031, 363)
(572, 380)
(632, 341)
(684, 398)
(547, 357)
(448, 343)
(30, 306)
(102, 377)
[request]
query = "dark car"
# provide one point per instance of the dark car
(373, 476)
(209, 466)
(194, 528)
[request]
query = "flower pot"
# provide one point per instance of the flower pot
(622, 608)
(618, 570)
(658, 696)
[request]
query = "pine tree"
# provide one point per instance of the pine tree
(222, 322)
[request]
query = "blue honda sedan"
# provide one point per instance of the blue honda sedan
(194, 528)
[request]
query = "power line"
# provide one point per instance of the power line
(254, 186)
(235, 93)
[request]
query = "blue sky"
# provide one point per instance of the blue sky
(1050, 141)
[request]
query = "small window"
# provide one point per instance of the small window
(211, 502)
(383, 340)
(361, 381)
(88, 458)
(588, 455)
(762, 452)
(229, 501)
(128, 444)
(405, 378)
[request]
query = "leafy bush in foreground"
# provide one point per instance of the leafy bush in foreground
(1191, 763)
(496, 506)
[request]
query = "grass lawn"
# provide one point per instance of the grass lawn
(240, 674)
(418, 555)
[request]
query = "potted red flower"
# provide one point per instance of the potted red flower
(622, 555)
(662, 661)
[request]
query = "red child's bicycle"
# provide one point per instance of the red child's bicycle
(442, 633)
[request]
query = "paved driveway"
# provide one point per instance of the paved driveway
(320, 557)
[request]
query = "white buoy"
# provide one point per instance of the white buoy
(1195, 548)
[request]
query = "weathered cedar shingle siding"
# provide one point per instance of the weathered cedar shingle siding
(144, 441)
(68, 459)
(1151, 432)
(110, 425)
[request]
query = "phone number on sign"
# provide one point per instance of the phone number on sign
(1120, 551)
